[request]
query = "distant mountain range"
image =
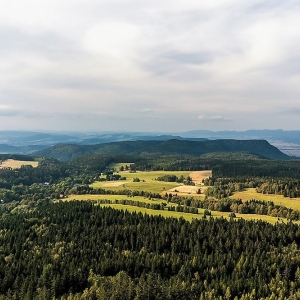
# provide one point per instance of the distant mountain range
(292, 136)
(262, 148)
(27, 142)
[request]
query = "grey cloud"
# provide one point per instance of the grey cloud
(71, 81)
(177, 66)
(49, 45)
(213, 118)
(268, 5)
(13, 112)
(9, 112)
(180, 62)
(190, 58)
(289, 111)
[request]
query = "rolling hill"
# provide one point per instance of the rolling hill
(66, 152)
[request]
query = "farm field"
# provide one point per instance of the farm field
(251, 193)
(148, 183)
(198, 176)
(14, 164)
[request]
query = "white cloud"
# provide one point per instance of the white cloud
(213, 118)
(165, 60)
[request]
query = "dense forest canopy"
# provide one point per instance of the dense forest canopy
(78, 249)
(54, 249)
(65, 152)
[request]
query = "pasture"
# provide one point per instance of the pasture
(15, 164)
(113, 198)
(251, 193)
(148, 183)
(187, 216)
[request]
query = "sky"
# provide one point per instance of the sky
(161, 66)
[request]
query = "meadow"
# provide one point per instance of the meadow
(148, 183)
(189, 217)
(251, 193)
(14, 164)
(166, 213)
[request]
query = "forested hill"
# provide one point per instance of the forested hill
(65, 152)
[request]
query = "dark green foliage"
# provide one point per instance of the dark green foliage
(256, 168)
(80, 248)
(169, 178)
(16, 157)
(170, 147)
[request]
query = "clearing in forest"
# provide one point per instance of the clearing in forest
(185, 190)
(198, 176)
(117, 166)
(147, 182)
(15, 164)
(114, 183)
(251, 193)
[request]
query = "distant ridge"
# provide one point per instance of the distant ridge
(4, 148)
(66, 152)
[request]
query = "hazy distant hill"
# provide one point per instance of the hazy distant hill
(292, 136)
(260, 147)
(287, 141)
(4, 148)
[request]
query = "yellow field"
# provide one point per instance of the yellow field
(249, 194)
(15, 164)
(198, 176)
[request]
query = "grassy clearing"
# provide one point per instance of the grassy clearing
(113, 198)
(151, 175)
(152, 186)
(117, 166)
(251, 193)
(190, 217)
(147, 181)
(198, 176)
(166, 213)
(15, 164)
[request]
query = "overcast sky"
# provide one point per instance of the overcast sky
(136, 65)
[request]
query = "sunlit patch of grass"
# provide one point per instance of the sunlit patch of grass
(166, 213)
(251, 193)
(16, 164)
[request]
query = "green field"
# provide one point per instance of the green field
(190, 217)
(167, 213)
(153, 174)
(147, 181)
(251, 193)
(113, 198)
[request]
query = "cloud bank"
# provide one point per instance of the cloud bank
(149, 66)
